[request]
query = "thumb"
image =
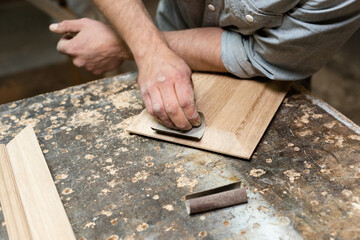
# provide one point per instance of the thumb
(72, 26)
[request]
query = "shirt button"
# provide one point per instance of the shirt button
(249, 18)
(211, 7)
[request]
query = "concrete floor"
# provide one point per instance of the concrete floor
(30, 65)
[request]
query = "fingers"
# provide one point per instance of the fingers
(158, 109)
(172, 106)
(67, 26)
(63, 46)
(185, 96)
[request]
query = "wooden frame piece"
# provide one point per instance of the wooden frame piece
(29, 199)
(237, 113)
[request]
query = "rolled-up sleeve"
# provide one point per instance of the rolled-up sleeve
(306, 39)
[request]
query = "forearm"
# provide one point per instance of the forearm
(135, 26)
(199, 47)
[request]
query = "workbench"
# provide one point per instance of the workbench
(302, 180)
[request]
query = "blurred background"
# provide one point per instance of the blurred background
(30, 64)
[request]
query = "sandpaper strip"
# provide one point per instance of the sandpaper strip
(216, 198)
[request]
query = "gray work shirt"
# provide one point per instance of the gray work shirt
(278, 39)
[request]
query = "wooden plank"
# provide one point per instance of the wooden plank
(53, 10)
(13, 209)
(237, 113)
(30, 202)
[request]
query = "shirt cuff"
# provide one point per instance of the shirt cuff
(234, 57)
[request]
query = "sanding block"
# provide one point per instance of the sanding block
(195, 133)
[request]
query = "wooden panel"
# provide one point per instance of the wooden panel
(237, 113)
(30, 202)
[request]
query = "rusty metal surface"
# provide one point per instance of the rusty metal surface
(302, 180)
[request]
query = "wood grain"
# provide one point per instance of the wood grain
(30, 201)
(237, 113)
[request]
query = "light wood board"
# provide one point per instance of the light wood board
(29, 199)
(237, 113)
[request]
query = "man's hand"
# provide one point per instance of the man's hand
(167, 89)
(92, 45)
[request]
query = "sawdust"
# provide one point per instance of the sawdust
(314, 202)
(113, 237)
(106, 213)
(184, 181)
(143, 175)
(142, 227)
(179, 169)
(330, 124)
(114, 221)
(305, 133)
(346, 193)
(104, 192)
(257, 172)
(148, 158)
(89, 156)
(89, 225)
(155, 197)
(61, 176)
(355, 137)
(87, 117)
(305, 118)
(67, 191)
(268, 160)
(111, 169)
(339, 142)
(125, 99)
(121, 127)
(292, 175)
(262, 208)
(202, 234)
(168, 207)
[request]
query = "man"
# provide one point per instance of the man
(278, 39)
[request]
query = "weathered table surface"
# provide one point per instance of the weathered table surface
(302, 181)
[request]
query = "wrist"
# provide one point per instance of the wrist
(145, 53)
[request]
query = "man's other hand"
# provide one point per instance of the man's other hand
(91, 44)
(167, 89)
